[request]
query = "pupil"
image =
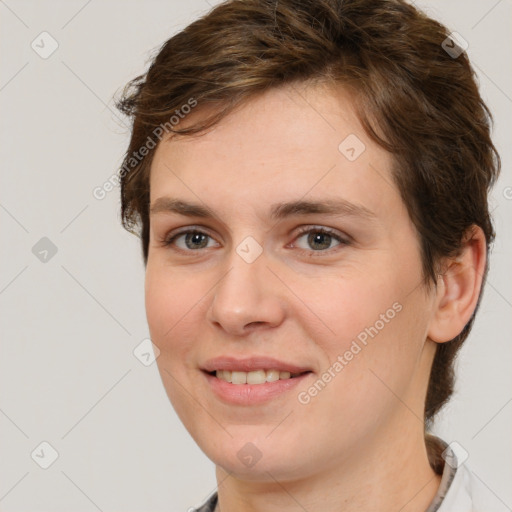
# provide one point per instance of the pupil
(196, 240)
(317, 238)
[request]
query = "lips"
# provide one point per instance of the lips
(252, 392)
(226, 363)
(240, 381)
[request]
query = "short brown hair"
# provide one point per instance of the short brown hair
(415, 99)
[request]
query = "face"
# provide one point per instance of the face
(279, 243)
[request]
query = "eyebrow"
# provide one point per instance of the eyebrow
(278, 211)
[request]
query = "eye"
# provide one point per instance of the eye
(319, 239)
(190, 240)
(316, 239)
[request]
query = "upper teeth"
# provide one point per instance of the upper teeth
(254, 377)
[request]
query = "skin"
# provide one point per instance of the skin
(358, 444)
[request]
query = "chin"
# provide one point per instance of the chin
(258, 459)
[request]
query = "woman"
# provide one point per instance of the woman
(309, 180)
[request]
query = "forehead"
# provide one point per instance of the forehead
(288, 143)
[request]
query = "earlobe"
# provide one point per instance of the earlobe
(458, 288)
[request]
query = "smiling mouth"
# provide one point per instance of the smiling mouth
(254, 377)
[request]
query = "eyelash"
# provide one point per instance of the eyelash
(167, 242)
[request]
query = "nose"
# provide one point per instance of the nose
(247, 297)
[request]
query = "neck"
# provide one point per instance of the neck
(392, 473)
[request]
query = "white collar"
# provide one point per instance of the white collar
(461, 489)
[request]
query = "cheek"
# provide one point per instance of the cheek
(161, 302)
(381, 299)
(172, 301)
(376, 328)
(354, 308)
(169, 292)
(172, 305)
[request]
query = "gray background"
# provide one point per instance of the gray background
(69, 325)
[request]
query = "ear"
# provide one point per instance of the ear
(458, 288)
